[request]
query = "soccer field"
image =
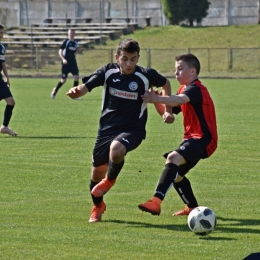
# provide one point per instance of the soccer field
(44, 194)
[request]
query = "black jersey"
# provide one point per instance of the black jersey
(2, 58)
(122, 106)
(69, 49)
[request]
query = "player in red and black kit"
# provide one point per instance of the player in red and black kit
(5, 92)
(67, 53)
(123, 117)
(200, 134)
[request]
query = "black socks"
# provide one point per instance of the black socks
(58, 86)
(166, 180)
(184, 190)
(114, 170)
(75, 83)
(96, 200)
(7, 114)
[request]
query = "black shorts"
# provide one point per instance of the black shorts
(69, 68)
(192, 151)
(4, 91)
(131, 140)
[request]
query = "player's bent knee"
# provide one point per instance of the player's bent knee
(117, 151)
(10, 101)
(171, 156)
(176, 158)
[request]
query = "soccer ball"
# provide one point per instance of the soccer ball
(202, 220)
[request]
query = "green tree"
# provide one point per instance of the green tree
(181, 10)
(171, 11)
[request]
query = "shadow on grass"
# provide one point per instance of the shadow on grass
(208, 237)
(236, 225)
(54, 137)
(239, 226)
(182, 228)
(148, 225)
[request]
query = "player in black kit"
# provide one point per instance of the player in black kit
(5, 92)
(68, 60)
(123, 117)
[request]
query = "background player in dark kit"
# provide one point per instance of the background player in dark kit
(5, 92)
(67, 53)
(123, 117)
(200, 134)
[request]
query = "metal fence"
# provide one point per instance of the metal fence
(244, 62)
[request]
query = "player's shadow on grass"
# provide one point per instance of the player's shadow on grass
(171, 227)
(233, 225)
(148, 225)
(56, 137)
(237, 225)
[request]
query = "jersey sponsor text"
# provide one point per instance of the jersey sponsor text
(123, 94)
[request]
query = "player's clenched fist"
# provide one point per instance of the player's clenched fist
(74, 93)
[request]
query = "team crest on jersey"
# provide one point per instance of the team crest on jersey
(133, 86)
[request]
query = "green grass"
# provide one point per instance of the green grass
(179, 37)
(45, 202)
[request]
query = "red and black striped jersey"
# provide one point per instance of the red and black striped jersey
(199, 117)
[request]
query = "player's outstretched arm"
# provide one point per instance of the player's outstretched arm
(78, 91)
(162, 110)
(168, 117)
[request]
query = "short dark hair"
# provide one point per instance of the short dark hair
(128, 45)
(191, 60)
(1, 26)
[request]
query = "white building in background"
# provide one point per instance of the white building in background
(230, 12)
(25, 12)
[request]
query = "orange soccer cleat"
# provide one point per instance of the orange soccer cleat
(102, 187)
(96, 212)
(184, 212)
(152, 206)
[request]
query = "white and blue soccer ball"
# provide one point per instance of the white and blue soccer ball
(202, 220)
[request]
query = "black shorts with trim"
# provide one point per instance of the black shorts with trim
(192, 150)
(4, 90)
(69, 68)
(130, 139)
